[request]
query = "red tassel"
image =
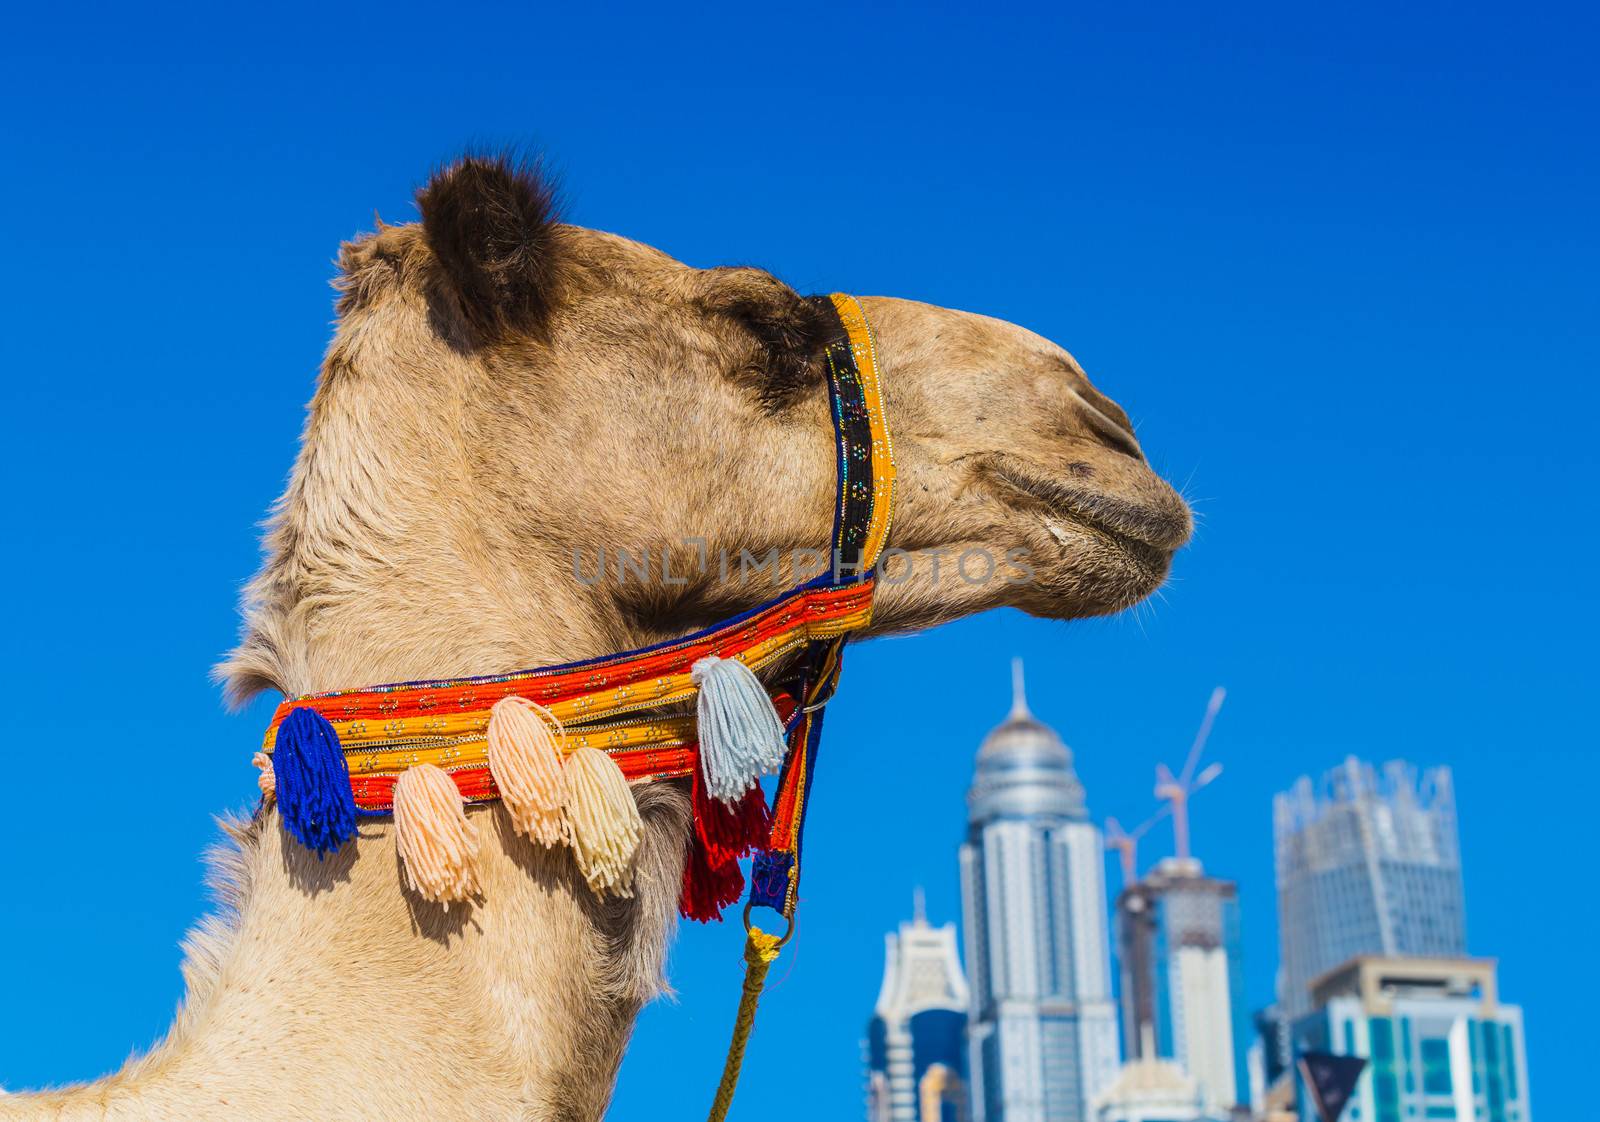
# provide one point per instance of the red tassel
(708, 886)
(729, 833)
(712, 878)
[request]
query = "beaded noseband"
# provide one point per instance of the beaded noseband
(560, 744)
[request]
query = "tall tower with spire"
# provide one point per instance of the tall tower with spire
(1043, 1030)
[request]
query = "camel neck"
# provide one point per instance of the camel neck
(514, 1006)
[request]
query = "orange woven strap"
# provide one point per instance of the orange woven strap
(612, 704)
(675, 754)
(775, 873)
(584, 693)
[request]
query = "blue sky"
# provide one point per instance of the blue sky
(1337, 264)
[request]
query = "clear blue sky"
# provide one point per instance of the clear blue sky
(1339, 265)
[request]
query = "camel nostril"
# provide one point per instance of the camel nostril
(1114, 431)
(1080, 470)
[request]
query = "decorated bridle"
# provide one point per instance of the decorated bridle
(559, 745)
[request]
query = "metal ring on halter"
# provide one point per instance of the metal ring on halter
(816, 705)
(789, 919)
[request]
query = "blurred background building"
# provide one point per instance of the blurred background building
(1043, 1031)
(1182, 978)
(1439, 1043)
(1153, 1091)
(916, 1039)
(1367, 864)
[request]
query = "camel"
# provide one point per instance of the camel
(505, 393)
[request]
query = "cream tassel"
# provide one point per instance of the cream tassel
(605, 821)
(526, 766)
(267, 780)
(437, 841)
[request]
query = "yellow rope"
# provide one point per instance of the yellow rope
(760, 949)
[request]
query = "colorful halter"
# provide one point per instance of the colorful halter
(559, 744)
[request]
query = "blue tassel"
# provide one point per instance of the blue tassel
(741, 738)
(313, 782)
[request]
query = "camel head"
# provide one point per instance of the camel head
(533, 442)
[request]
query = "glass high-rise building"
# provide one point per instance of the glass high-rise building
(1438, 1041)
(1043, 1030)
(1367, 864)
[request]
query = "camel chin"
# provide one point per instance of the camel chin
(1099, 536)
(1081, 572)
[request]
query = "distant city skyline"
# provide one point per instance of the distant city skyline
(1368, 869)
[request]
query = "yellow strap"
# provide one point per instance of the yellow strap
(864, 345)
(760, 949)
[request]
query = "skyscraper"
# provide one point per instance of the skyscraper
(1042, 1030)
(1438, 1041)
(916, 1050)
(1365, 865)
(1178, 949)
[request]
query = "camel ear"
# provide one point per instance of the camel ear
(790, 329)
(489, 222)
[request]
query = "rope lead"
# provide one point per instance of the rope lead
(760, 950)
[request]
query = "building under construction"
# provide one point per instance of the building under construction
(1182, 991)
(1367, 864)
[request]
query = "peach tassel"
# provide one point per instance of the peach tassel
(267, 781)
(437, 841)
(526, 766)
(606, 826)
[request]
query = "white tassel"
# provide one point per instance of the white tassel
(526, 765)
(605, 821)
(437, 842)
(741, 738)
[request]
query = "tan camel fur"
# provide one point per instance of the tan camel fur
(507, 399)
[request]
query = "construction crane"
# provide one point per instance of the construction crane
(1127, 844)
(1176, 791)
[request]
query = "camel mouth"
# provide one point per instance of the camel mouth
(1156, 521)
